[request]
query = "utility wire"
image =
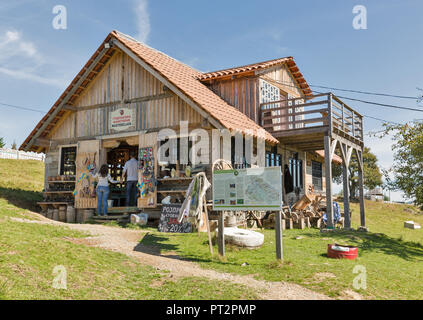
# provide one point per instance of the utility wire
(21, 108)
(353, 99)
(366, 92)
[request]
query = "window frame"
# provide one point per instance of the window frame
(59, 169)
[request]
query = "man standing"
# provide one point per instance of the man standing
(131, 170)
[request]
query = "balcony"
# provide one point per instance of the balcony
(303, 123)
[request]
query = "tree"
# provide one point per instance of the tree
(372, 174)
(2, 144)
(406, 173)
(14, 146)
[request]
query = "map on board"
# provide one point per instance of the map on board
(248, 189)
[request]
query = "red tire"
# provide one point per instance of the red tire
(337, 251)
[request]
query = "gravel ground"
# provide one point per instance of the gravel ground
(127, 242)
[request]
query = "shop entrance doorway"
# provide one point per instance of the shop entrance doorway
(116, 159)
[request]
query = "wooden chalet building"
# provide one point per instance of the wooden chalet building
(128, 91)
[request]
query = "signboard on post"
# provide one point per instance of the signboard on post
(251, 189)
(248, 189)
(122, 119)
(169, 220)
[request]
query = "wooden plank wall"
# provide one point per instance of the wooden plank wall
(285, 79)
(123, 79)
(244, 94)
(241, 93)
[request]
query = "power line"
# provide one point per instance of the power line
(382, 104)
(21, 108)
(353, 99)
(366, 92)
(382, 120)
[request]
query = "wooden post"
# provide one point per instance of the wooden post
(221, 236)
(361, 188)
(208, 226)
(346, 187)
(328, 177)
(278, 234)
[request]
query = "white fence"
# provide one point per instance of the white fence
(21, 155)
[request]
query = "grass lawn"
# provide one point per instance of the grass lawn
(30, 252)
(391, 254)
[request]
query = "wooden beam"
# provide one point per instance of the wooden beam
(221, 235)
(114, 103)
(66, 98)
(328, 177)
(361, 187)
(168, 84)
(278, 235)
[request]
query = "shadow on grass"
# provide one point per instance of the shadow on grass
(372, 242)
(22, 198)
(155, 244)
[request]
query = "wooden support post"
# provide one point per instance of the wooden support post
(346, 187)
(278, 234)
(208, 226)
(328, 177)
(346, 155)
(361, 188)
(221, 236)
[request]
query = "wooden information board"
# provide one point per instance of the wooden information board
(169, 220)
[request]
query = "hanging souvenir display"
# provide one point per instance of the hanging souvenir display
(146, 166)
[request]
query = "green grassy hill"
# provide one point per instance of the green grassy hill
(21, 182)
(29, 254)
(391, 254)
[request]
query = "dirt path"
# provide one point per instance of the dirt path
(128, 242)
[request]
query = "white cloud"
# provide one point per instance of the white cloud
(20, 59)
(143, 21)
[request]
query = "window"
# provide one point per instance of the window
(316, 172)
(273, 159)
(296, 170)
(67, 161)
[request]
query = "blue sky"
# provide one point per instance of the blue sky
(37, 61)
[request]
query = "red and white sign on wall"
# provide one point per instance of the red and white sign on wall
(122, 119)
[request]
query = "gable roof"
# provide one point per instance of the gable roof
(288, 61)
(183, 77)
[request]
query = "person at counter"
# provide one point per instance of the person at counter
(131, 171)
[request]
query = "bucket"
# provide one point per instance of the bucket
(338, 251)
(110, 203)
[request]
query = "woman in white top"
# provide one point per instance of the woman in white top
(103, 190)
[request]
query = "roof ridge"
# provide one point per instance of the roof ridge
(130, 38)
(248, 65)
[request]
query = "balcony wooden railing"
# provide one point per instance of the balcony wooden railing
(323, 112)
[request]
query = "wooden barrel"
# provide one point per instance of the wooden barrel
(56, 214)
(50, 213)
(62, 213)
(79, 215)
(87, 214)
(70, 214)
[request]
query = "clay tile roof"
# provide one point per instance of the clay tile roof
(186, 79)
(241, 69)
(288, 61)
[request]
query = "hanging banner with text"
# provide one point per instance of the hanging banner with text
(122, 119)
(248, 189)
